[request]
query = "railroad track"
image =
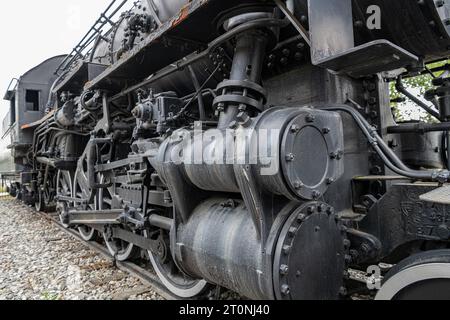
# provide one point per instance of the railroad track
(147, 277)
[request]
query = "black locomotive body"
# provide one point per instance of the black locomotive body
(248, 144)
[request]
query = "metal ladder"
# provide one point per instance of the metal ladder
(103, 24)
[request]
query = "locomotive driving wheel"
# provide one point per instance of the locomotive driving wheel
(81, 190)
(120, 249)
(45, 201)
(424, 276)
(174, 279)
(64, 186)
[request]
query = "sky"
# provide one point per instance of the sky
(33, 31)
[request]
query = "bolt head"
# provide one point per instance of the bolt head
(295, 128)
(286, 249)
(290, 157)
(316, 194)
(284, 269)
(298, 185)
(292, 231)
(343, 291)
(285, 289)
(310, 118)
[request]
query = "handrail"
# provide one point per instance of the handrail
(80, 50)
(11, 82)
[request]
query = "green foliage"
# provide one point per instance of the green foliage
(48, 296)
(420, 84)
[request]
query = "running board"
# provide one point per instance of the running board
(440, 195)
(333, 43)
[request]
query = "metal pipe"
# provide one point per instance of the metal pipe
(288, 10)
(46, 161)
(420, 127)
(386, 154)
(201, 104)
(247, 65)
(161, 222)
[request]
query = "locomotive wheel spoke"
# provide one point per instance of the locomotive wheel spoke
(120, 249)
(172, 277)
(81, 191)
(64, 188)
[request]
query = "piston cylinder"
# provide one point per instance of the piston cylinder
(220, 244)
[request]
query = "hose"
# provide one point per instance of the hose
(386, 154)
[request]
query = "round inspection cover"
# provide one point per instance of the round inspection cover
(309, 261)
(305, 156)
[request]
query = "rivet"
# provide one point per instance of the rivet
(286, 249)
(286, 52)
(285, 289)
(298, 185)
(284, 269)
(311, 209)
(330, 210)
(290, 157)
(316, 194)
(326, 130)
(301, 217)
(310, 118)
(295, 128)
(292, 231)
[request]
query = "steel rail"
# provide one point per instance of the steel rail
(131, 268)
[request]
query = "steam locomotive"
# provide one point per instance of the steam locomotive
(248, 144)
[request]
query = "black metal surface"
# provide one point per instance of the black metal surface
(369, 58)
(309, 261)
(401, 217)
(313, 153)
(331, 28)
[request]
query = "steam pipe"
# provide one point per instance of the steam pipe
(420, 127)
(201, 104)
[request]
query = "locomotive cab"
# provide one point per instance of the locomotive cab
(28, 97)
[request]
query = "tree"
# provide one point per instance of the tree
(407, 110)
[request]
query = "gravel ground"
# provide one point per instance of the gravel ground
(39, 262)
